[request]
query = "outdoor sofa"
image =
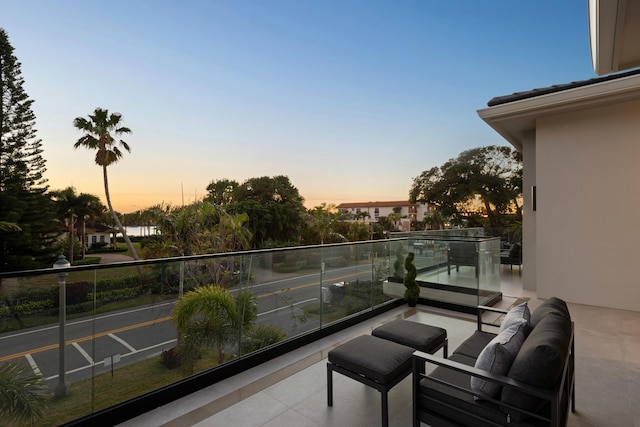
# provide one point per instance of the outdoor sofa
(512, 256)
(521, 376)
(462, 253)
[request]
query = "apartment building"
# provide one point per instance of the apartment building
(369, 212)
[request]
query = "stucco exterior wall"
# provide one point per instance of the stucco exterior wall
(588, 206)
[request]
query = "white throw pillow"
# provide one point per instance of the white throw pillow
(497, 358)
(516, 315)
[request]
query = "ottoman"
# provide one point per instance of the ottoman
(373, 361)
(426, 338)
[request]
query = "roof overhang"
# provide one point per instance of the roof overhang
(513, 119)
(614, 30)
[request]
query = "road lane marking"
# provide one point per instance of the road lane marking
(33, 364)
(83, 353)
(87, 338)
(82, 368)
(287, 307)
(295, 288)
(123, 342)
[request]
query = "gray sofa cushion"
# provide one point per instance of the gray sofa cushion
(551, 305)
(497, 358)
(540, 361)
(518, 314)
(375, 358)
(473, 345)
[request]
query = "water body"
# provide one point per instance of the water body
(140, 230)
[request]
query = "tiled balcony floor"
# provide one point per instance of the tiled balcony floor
(291, 390)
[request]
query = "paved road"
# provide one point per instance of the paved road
(135, 334)
(111, 257)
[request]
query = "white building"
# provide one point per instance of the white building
(409, 212)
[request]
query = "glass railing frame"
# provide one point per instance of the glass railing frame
(199, 380)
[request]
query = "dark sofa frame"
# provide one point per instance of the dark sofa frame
(512, 257)
(558, 397)
(462, 253)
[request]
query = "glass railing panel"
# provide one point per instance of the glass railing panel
(120, 337)
(123, 336)
(380, 262)
(456, 270)
(286, 286)
(398, 250)
(346, 282)
(489, 277)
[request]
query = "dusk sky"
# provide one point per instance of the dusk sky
(349, 99)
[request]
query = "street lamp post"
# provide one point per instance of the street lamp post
(62, 389)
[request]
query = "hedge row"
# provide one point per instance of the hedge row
(31, 307)
(291, 266)
(79, 296)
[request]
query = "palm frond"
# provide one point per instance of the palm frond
(21, 394)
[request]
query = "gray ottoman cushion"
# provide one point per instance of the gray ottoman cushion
(378, 359)
(413, 334)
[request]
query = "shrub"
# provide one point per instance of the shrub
(30, 307)
(170, 358)
(412, 293)
(77, 292)
(80, 308)
(261, 336)
(353, 304)
(109, 283)
(288, 267)
(118, 294)
(88, 261)
(36, 294)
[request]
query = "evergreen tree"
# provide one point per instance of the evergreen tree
(23, 199)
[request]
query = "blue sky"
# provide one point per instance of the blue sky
(350, 99)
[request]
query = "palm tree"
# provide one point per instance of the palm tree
(232, 233)
(82, 206)
(324, 219)
(209, 316)
(98, 136)
(21, 394)
(7, 227)
(186, 230)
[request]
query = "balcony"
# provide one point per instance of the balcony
(291, 390)
(320, 297)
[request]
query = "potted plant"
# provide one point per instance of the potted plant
(412, 293)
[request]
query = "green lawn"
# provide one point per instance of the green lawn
(105, 390)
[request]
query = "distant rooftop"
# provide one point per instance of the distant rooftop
(518, 96)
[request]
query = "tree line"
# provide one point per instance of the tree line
(481, 186)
